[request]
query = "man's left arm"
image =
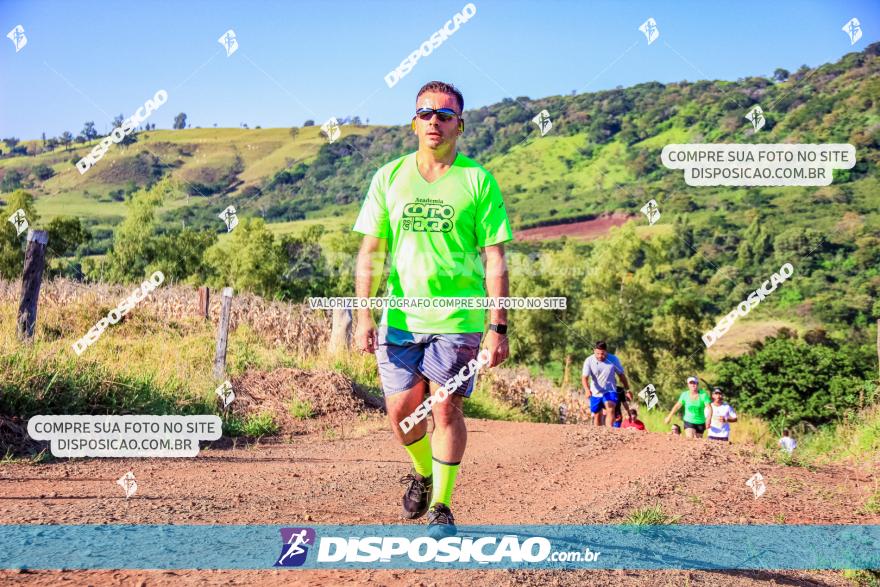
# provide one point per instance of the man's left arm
(497, 286)
(626, 389)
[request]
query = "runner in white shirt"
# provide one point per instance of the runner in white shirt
(787, 443)
(718, 415)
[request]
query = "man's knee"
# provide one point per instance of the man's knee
(448, 410)
(403, 404)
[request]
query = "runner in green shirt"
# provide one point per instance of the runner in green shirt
(694, 401)
(434, 211)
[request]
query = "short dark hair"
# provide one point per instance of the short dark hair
(443, 88)
(600, 344)
(786, 432)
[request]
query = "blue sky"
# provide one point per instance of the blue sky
(92, 60)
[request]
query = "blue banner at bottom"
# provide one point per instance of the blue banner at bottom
(117, 546)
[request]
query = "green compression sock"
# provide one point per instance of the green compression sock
(420, 453)
(444, 480)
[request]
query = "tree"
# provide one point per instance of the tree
(66, 234)
(88, 132)
(11, 142)
(755, 247)
(309, 122)
(11, 244)
(293, 132)
(134, 245)
(127, 139)
(780, 74)
(249, 261)
(179, 255)
(785, 378)
(179, 121)
(66, 139)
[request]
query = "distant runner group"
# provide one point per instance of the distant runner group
(599, 378)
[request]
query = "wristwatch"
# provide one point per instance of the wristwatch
(499, 328)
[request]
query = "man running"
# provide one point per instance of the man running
(599, 380)
(718, 415)
(436, 209)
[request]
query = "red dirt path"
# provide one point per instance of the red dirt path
(585, 230)
(513, 473)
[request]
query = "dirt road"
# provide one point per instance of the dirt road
(513, 473)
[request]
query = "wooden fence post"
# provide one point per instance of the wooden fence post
(223, 334)
(340, 333)
(31, 279)
(204, 302)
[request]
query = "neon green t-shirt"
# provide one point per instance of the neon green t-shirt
(694, 408)
(435, 232)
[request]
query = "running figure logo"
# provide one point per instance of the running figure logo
(229, 42)
(854, 30)
(649, 396)
(19, 221)
(229, 217)
(651, 211)
(18, 38)
(757, 484)
(756, 117)
(543, 121)
(128, 484)
(331, 129)
(294, 550)
(650, 30)
(225, 393)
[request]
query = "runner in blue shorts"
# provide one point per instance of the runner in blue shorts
(599, 380)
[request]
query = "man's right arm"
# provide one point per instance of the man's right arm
(368, 274)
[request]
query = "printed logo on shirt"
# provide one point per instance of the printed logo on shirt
(426, 215)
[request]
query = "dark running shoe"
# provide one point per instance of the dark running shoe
(440, 522)
(417, 496)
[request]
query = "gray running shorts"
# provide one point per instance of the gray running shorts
(405, 358)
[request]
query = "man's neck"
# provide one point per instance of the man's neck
(436, 158)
